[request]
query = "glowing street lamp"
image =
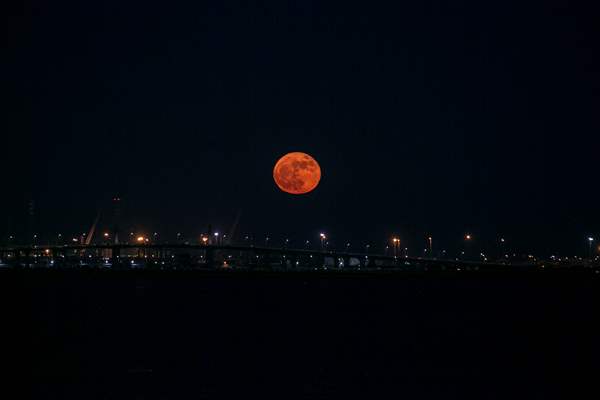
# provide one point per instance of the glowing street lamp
(590, 241)
(323, 237)
(396, 243)
(501, 247)
(468, 238)
(430, 240)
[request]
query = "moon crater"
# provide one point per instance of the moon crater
(297, 173)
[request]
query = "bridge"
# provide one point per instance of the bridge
(212, 257)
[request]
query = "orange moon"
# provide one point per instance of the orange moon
(297, 173)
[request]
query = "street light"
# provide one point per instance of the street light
(501, 247)
(590, 241)
(323, 237)
(430, 239)
(468, 238)
(396, 243)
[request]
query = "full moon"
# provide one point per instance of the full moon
(297, 173)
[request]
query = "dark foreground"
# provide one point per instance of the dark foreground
(193, 335)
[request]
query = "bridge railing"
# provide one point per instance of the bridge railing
(193, 256)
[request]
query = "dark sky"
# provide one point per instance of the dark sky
(426, 117)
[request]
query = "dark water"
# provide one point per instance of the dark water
(186, 335)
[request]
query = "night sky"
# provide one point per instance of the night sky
(427, 118)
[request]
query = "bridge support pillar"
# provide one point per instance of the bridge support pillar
(321, 261)
(115, 256)
(210, 258)
(346, 261)
(371, 263)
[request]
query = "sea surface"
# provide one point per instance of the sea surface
(194, 335)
